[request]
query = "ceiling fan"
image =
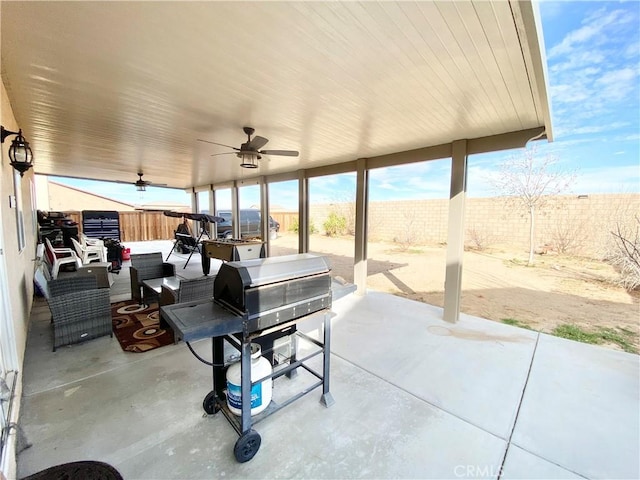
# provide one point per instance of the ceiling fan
(249, 152)
(141, 185)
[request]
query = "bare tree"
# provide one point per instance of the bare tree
(409, 235)
(626, 254)
(478, 238)
(529, 179)
(568, 232)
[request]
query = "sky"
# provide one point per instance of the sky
(593, 73)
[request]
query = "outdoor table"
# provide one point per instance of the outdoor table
(152, 287)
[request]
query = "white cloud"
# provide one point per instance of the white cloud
(628, 138)
(551, 9)
(632, 51)
(593, 71)
(419, 180)
(284, 195)
(606, 127)
(570, 93)
(431, 185)
(481, 180)
(591, 31)
(616, 85)
(564, 144)
(584, 64)
(608, 179)
(386, 186)
(624, 75)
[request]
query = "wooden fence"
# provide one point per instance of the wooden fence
(286, 220)
(145, 225)
(140, 225)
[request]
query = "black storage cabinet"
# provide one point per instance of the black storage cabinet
(101, 224)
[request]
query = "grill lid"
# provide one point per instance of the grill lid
(263, 271)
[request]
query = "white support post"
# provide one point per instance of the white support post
(455, 238)
(195, 226)
(235, 210)
(213, 228)
(362, 208)
(264, 215)
(303, 212)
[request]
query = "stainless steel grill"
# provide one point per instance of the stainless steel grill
(259, 300)
(253, 295)
(267, 292)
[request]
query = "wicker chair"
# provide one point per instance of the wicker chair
(79, 310)
(190, 290)
(145, 266)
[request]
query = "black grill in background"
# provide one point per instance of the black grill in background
(101, 224)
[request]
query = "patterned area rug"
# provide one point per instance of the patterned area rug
(137, 327)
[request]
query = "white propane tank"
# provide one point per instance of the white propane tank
(260, 393)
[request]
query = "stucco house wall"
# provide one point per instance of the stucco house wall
(16, 268)
(53, 196)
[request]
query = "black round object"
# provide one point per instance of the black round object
(209, 403)
(247, 446)
(88, 470)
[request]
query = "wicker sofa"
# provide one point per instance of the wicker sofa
(80, 310)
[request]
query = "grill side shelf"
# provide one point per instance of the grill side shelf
(192, 321)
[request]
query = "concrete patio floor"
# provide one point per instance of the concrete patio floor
(416, 397)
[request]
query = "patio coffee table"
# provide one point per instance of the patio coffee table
(152, 287)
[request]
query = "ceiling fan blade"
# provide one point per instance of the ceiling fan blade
(286, 153)
(220, 144)
(256, 143)
(223, 153)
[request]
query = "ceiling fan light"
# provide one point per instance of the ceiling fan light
(141, 187)
(249, 161)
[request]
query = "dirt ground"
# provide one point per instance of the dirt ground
(497, 284)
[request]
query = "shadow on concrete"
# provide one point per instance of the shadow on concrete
(342, 265)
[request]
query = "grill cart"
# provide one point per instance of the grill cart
(259, 301)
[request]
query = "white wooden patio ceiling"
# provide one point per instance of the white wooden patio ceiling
(105, 89)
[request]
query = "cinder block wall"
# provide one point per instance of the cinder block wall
(575, 224)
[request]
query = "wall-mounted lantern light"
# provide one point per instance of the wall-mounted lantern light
(19, 152)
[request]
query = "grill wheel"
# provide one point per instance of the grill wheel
(209, 404)
(247, 446)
